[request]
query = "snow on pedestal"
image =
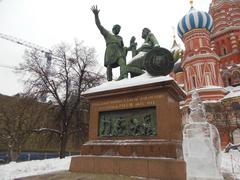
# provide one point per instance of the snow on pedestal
(143, 79)
(201, 144)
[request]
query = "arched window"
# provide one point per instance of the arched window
(236, 77)
(226, 78)
(229, 81)
(224, 51)
(235, 106)
(190, 54)
(236, 136)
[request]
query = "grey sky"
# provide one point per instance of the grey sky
(49, 22)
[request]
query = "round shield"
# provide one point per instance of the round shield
(159, 62)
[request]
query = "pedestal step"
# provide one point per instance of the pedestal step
(141, 148)
(149, 167)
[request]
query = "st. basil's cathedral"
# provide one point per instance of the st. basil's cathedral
(210, 64)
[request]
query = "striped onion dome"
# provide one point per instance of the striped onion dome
(193, 20)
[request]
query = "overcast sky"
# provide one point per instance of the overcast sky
(49, 22)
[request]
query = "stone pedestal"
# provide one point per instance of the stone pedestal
(145, 138)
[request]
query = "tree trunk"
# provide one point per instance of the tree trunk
(63, 144)
(13, 154)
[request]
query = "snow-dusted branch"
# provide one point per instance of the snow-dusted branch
(47, 130)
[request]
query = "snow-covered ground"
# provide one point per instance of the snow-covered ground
(230, 165)
(35, 167)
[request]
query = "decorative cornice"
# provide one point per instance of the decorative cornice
(195, 33)
(229, 54)
(200, 56)
(209, 89)
(225, 31)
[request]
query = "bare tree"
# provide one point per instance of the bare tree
(70, 74)
(18, 117)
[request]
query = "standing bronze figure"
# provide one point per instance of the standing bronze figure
(115, 53)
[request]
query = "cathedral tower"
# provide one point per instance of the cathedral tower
(225, 38)
(200, 63)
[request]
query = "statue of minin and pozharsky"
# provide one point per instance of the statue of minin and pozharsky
(150, 57)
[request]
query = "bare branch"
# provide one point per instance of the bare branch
(47, 130)
(70, 74)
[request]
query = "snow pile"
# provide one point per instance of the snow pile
(234, 92)
(30, 168)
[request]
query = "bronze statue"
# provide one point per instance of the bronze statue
(150, 41)
(150, 57)
(115, 53)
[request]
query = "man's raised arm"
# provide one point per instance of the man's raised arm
(95, 11)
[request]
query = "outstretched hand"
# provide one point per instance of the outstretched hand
(95, 10)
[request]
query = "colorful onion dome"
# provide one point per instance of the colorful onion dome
(193, 20)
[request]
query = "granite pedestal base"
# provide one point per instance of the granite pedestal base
(148, 167)
(154, 152)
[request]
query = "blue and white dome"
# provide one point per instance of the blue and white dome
(194, 20)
